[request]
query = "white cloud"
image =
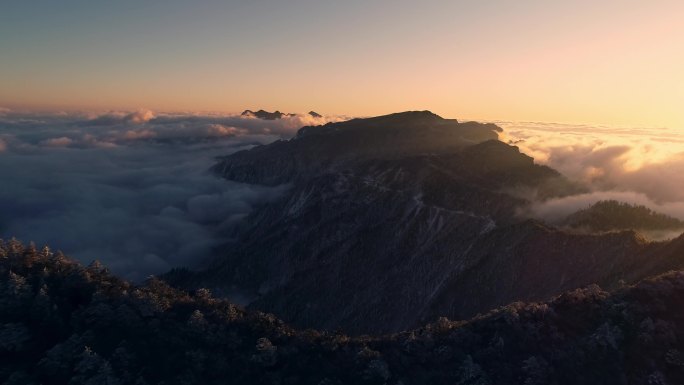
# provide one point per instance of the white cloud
(62, 141)
(140, 116)
(640, 160)
(130, 189)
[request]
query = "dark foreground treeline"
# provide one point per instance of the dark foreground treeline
(61, 323)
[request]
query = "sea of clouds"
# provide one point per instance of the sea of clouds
(131, 190)
(643, 166)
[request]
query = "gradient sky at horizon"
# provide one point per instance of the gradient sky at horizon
(610, 62)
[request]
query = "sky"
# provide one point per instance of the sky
(609, 62)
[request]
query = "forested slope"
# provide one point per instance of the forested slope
(62, 323)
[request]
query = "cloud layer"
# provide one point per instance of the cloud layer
(635, 165)
(129, 189)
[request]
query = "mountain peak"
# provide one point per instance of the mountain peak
(265, 115)
(315, 148)
(402, 126)
(409, 117)
(277, 114)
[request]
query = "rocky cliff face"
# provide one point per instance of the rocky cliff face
(396, 220)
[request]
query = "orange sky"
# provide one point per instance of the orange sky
(618, 62)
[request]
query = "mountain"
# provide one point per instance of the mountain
(317, 149)
(614, 215)
(393, 221)
(265, 115)
(62, 323)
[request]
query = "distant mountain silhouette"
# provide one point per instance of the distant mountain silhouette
(265, 115)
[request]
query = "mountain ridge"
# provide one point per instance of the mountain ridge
(265, 115)
(317, 148)
(434, 224)
(63, 323)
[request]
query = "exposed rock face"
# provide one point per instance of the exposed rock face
(315, 114)
(396, 220)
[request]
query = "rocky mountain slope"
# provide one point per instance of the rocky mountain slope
(61, 323)
(317, 149)
(396, 220)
